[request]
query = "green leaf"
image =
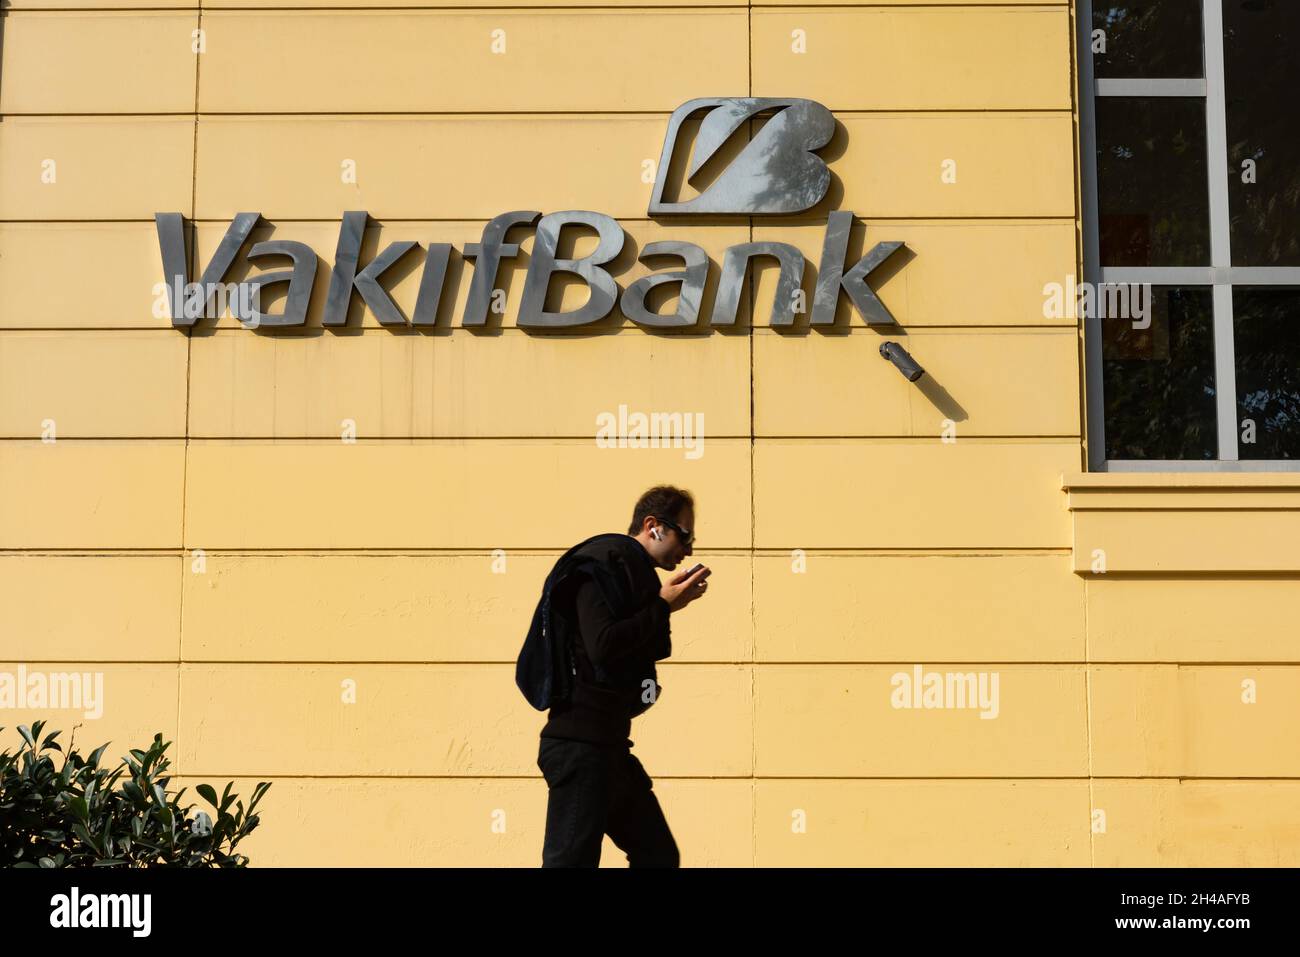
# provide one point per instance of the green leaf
(209, 794)
(97, 754)
(81, 832)
(27, 735)
(258, 792)
(78, 805)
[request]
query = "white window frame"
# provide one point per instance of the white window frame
(1220, 276)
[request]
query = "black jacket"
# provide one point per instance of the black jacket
(599, 628)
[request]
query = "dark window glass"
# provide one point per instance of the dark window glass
(1153, 195)
(1148, 38)
(1261, 53)
(1159, 381)
(1266, 327)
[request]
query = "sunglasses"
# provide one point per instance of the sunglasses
(687, 537)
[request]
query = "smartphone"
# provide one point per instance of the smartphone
(694, 568)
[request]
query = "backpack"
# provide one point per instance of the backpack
(545, 668)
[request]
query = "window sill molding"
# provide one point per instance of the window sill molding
(1183, 522)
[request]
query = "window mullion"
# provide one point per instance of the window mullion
(1092, 358)
(1216, 143)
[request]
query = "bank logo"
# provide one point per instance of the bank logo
(776, 172)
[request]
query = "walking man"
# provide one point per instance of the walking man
(610, 622)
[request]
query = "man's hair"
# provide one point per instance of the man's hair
(662, 501)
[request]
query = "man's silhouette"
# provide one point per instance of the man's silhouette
(596, 786)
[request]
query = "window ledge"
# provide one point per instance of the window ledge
(1181, 522)
(1181, 490)
(1179, 480)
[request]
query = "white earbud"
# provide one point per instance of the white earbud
(659, 536)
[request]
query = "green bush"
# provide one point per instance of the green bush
(75, 816)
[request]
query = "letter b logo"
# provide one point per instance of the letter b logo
(776, 172)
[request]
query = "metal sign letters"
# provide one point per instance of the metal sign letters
(777, 172)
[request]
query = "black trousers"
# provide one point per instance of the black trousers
(598, 789)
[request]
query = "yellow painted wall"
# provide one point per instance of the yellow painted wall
(324, 561)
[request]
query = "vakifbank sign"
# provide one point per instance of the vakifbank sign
(776, 173)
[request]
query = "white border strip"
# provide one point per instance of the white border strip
(1204, 275)
(1095, 407)
(1153, 87)
(1202, 465)
(1216, 143)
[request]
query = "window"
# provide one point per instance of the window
(1191, 188)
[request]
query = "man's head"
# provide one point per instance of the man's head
(664, 523)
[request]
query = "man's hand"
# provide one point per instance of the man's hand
(681, 590)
